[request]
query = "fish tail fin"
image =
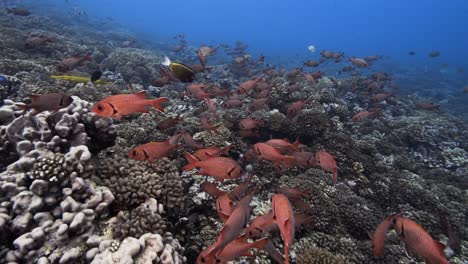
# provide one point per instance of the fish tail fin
(192, 161)
(156, 103)
(166, 61)
(437, 107)
(9, 10)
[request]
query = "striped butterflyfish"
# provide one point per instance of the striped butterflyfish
(180, 71)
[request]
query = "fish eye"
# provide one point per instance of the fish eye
(202, 260)
(134, 153)
(218, 261)
(100, 108)
(250, 233)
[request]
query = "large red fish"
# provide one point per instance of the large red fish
(46, 102)
(219, 167)
(267, 152)
(232, 227)
(327, 162)
(284, 218)
(120, 105)
(152, 151)
(418, 241)
(239, 247)
(284, 146)
(206, 153)
(305, 159)
(211, 189)
(249, 85)
(362, 115)
(378, 238)
(295, 108)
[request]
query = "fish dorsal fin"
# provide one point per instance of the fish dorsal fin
(141, 94)
(440, 246)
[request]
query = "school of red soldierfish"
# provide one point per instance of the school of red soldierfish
(233, 207)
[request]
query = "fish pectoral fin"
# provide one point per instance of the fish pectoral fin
(440, 246)
(371, 236)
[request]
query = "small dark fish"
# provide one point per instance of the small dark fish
(18, 11)
(411, 53)
(180, 71)
(46, 102)
(4, 81)
(96, 75)
(434, 54)
(169, 122)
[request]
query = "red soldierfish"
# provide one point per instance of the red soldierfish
(46, 102)
(267, 152)
(362, 115)
(71, 63)
(284, 218)
(152, 151)
(197, 91)
(361, 63)
(327, 162)
(250, 123)
(206, 153)
(378, 238)
(224, 207)
(232, 227)
(219, 167)
(305, 159)
(249, 85)
(239, 247)
(120, 105)
(295, 108)
(418, 241)
(284, 146)
(428, 106)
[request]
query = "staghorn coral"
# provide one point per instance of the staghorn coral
(132, 182)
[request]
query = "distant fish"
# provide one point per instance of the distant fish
(71, 63)
(46, 102)
(128, 43)
(427, 106)
(465, 90)
(18, 11)
(96, 75)
(411, 53)
(361, 63)
(434, 53)
(37, 41)
(180, 71)
(327, 162)
(311, 63)
(120, 105)
(4, 81)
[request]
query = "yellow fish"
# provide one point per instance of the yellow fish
(77, 79)
(180, 71)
